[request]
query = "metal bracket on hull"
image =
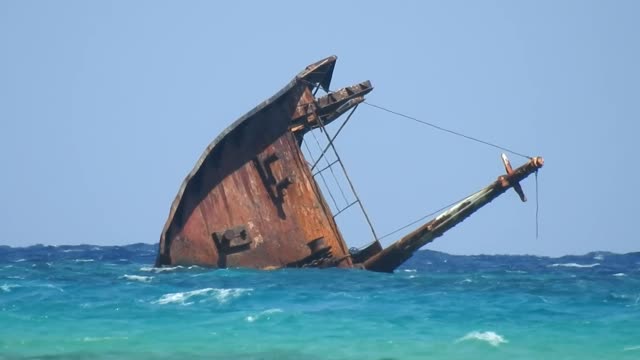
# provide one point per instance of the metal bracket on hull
(232, 240)
(276, 188)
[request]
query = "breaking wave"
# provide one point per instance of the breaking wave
(138, 278)
(160, 269)
(104, 338)
(574, 265)
(265, 314)
(8, 287)
(221, 295)
(489, 337)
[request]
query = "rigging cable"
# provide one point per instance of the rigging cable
(330, 168)
(334, 137)
(322, 177)
(448, 131)
(437, 127)
(537, 206)
(344, 171)
(422, 218)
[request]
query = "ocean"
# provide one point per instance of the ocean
(93, 302)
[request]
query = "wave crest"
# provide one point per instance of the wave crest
(103, 338)
(8, 287)
(490, 337)
(266, 314)
(221, 295)
(140, 278)
(160, 269)
(574, 265)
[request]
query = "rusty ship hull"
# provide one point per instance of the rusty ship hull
(251, 200)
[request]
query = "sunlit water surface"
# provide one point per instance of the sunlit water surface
(89, 302)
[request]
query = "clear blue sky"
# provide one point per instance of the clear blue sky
(105, 107)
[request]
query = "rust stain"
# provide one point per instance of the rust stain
(252, 201)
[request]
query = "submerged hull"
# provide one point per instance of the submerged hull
(251, 199)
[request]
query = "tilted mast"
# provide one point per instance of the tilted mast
(393, 256)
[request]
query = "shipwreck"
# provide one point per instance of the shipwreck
(252, 199)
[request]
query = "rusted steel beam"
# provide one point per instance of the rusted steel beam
(328, 107)
(393, 256)
(332, 101)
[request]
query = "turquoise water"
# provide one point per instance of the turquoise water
(89, 302)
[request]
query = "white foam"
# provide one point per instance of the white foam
(8, 287)
(466, 281)
(20, 260)
(83, 260)
(224, 295)
(103, 338)
(516, 272)
(221, 295)
(160, 269)
(545, 300)
(51, 286)
(489, 337)
(598, 257)
(631, 348)
(264, 314)
(620, 274)
(137, 278)
(619, 296)
(410, 270)
(574, 265)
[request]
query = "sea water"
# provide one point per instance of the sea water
(91, 302)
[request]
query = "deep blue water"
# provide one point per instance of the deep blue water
(91, 302)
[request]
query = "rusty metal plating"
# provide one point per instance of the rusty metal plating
(251, 199)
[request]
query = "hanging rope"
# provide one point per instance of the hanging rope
(449, 131)
(537, 206)
(422, 218)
